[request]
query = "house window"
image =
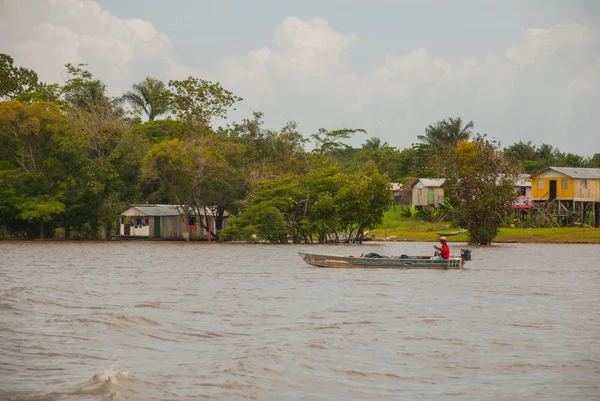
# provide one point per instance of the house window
(584, 184)
(540, 184)
(192, 220)
(564, 184)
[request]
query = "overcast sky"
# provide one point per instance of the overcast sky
(520, 69)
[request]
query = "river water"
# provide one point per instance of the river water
(190, 321)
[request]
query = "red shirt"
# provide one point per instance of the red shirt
(445, 251)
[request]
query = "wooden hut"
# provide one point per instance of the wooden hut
(428, 192)
(169, 222)
(568, 192)
(153, 221)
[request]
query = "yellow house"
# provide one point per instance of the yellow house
(566, 184)
(567, 194)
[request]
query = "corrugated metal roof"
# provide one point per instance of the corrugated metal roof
(433, 182)
(576, 172)
(165, 210)
(158, 210)
(523, 180)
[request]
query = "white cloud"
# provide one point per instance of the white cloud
(530, 92)
(45, 35)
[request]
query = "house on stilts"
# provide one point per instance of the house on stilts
(567, 195)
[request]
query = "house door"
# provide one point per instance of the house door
(552, 189)
(430, 197)
(127, 230)
(156, 226)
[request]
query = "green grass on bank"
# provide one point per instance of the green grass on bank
(397, 228)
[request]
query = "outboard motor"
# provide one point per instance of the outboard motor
(465, 254)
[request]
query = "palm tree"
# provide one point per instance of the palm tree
(522, 151)
(447, 132)
(456, 131)
(374, 143)
(547, 154)
(150, 96)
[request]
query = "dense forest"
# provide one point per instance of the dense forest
(72, 158)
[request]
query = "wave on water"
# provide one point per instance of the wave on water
(111, 385)
(152, 305)
(136, 319)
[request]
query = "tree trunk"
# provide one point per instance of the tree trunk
(67, 232)
(219, 218)
(41, 230)
(105, 230)
(360, 236)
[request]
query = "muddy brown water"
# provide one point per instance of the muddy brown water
(189, 321)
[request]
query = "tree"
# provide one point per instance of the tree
(43, 92)
(304, 203)
(547, 155)
(159, 130)
(225, 183)
(525, 153)
(480, 179)
(374, 143)
(440, 137)
(15, 81)
(414, 161)
(521, 150)
(386, 158)
(330, 142)
(9, 211)
(447, 132)
(197, 174)
(149, 96)
(81, 89)
(40, 210)
(362, 201)
(572, 160)
(268, 152)
(199, 102)
(29, 131)
(103, 142)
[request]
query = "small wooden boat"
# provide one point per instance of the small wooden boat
(372, 260)
(461, 231)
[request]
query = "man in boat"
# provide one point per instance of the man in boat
(444, 250)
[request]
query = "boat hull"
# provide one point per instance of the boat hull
(411, 262)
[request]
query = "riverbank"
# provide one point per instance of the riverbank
(406, 231)
(418, 232)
